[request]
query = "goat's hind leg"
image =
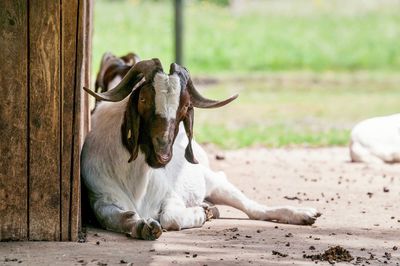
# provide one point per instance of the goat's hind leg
(116, 219)
(221, 191)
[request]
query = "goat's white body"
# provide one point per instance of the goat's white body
(135, 186)
(173, 195)
(376, 140)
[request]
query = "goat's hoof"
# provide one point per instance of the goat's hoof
(292, 215)
(305, 216)
(211, 211)
(148, 229)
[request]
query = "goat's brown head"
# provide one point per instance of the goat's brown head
(156, 107)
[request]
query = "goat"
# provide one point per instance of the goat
(142, 168)
(376, 140)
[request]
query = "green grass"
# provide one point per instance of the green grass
(293, 109)
(217, 40)
(272, 136)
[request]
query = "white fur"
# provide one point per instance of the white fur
(167, 90)
(125, 195)
(376, 140)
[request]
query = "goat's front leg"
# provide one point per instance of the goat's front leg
(221, 191)
(176, 216)
(116, 219)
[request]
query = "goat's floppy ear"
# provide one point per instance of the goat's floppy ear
(130, 126)
(188, 123)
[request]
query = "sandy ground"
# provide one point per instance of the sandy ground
(359, 205)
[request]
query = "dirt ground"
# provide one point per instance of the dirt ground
(359, 204)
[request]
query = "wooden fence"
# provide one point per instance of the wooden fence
(44, 62)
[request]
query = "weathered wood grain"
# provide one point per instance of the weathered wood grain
(44, 116)
(13, 120)
(88, 56)
(79, 124)
(44, 163)
(86, 81)
(69, 20)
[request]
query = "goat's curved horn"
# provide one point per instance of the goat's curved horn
(145, 68)
(201, 102)
(197, 99)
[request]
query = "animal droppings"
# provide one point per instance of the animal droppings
(277, 253)
(219, 157)
(333, 254)
(289, 235)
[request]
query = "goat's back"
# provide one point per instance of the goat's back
(378, 136)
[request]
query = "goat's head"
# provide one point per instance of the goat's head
(156, 107)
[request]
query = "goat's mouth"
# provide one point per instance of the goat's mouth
(163, 158)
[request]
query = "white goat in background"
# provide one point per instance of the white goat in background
(376, 140)
(142, 169)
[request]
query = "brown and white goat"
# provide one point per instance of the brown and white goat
(143, 170)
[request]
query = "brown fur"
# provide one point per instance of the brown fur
(146, 126)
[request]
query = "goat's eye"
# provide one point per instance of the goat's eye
(142, 99)
(187, 105)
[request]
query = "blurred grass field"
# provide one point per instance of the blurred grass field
(305, 74)
(294, 109)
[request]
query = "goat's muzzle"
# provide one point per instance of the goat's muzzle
(163, 158)
(162, 149)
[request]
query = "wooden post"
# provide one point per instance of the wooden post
(13, 120)
(69, 24)
(179, 32)
(45, 55)
(44, 120)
